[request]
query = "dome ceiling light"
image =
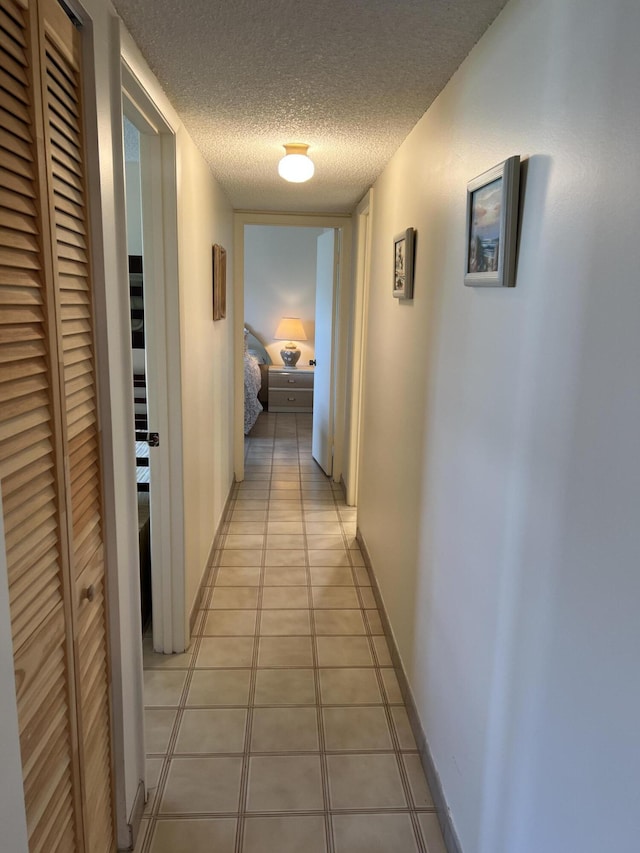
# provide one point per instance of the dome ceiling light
(296, 166)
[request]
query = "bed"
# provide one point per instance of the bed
(256, 378)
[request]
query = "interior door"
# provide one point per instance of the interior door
(64, 134)
(49, 437)
(326, 274)
(163, 374)
(31, 458)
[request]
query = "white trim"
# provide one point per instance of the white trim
(162, 308)
(324, 410)
(343, 223)
(362, 278)
(105, 181)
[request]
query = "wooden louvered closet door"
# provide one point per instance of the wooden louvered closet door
(49, 436)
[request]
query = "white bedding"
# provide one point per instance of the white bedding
(252, 381)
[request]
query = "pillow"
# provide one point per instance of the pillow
(254, 346)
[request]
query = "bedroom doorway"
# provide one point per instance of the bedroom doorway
(151, 205)
(327, 284)
(295, 297)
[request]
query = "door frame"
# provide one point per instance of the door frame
(362, 279)
(342, 222)
(160, 264)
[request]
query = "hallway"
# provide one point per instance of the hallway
(282, 728)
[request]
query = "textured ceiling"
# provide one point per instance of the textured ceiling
(349, 77)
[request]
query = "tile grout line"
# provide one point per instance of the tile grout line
(246, 759)
(169, 752)
(239, 835)
(324, 765)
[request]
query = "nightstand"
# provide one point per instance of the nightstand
(290, 389)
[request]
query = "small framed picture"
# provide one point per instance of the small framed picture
(219, 282)
(492, 220)
(403, 256)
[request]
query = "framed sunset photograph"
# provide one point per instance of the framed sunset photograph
(492, 220)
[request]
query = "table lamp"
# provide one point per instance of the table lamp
(290, 329)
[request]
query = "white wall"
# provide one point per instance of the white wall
(280, 281)
(205, 218)
(500, 473)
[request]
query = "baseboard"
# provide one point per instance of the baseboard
(214, 546)
(135, 818)
(451, 840)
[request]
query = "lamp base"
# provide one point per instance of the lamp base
(290, 356)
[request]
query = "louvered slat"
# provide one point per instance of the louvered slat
(20, 369)
(55, 827)
(12, 142)
(14, 495)
(12, 27)
(15, 126)
(64, 122)
(13, 77)
(76, 308)
(71, 237)
(83, 486)
(41, 674)
(45, 726)
(92, 625)
(13, 105)
(11, 45)
(64, 191)
(57, 804)
(34, 606)
(72, 174)
(12, 204)
(69, 207)
(85, 450)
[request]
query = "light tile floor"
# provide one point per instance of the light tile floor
(282, 729)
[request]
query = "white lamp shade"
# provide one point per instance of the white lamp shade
(290, 329)
(296, 166)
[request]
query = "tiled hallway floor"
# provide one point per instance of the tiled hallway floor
(282, 729)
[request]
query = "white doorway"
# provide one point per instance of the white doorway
(162, 373)
(323, 398)
(339, 335)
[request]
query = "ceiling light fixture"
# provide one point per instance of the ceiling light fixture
(296, 166)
